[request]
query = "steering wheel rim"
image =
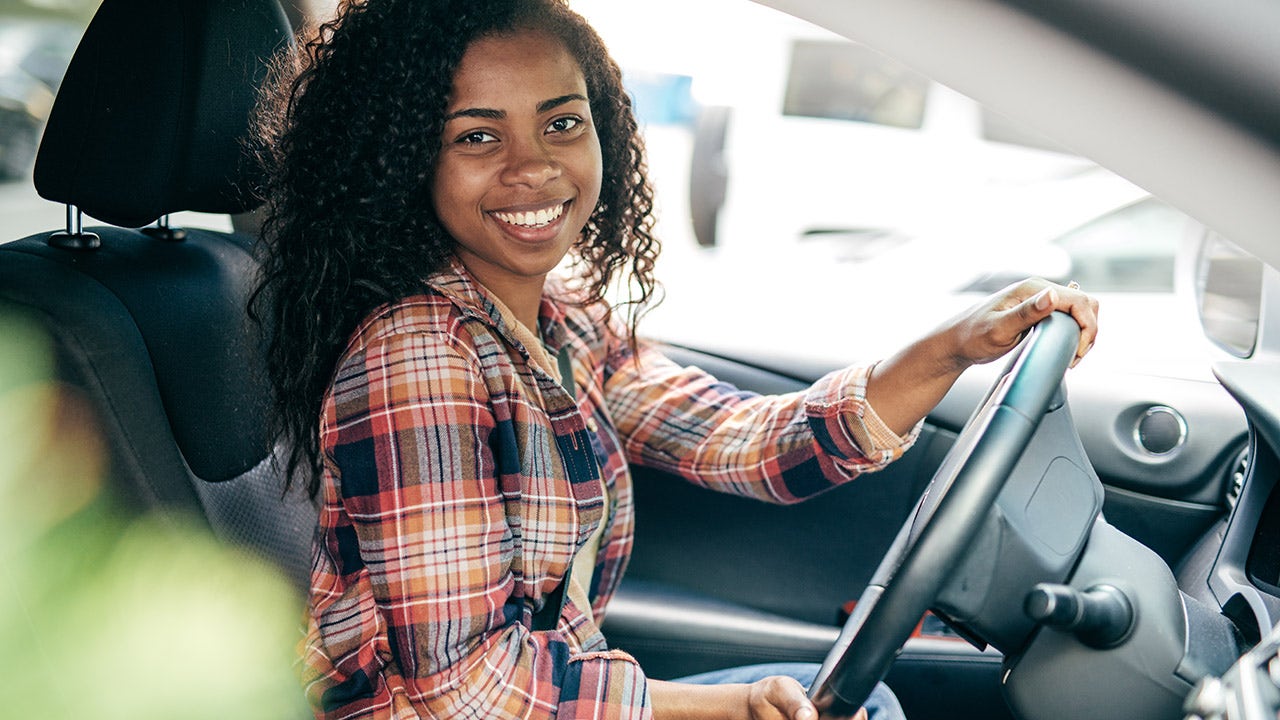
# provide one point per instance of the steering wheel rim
(947, 518)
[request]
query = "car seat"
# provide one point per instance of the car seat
(151, 324)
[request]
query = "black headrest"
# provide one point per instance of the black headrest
(151, 115)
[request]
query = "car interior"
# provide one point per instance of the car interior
(1114, 557)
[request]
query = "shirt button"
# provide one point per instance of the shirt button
(592, 426)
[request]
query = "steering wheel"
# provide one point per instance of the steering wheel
(947, 518)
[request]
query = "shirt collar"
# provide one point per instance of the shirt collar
(474, 299)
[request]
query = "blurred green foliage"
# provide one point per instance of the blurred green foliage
(106, 617)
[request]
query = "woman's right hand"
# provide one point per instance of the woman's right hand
(779, 698)
(772, 698)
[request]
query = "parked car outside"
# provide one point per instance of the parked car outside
(34, 52)
(880, 141)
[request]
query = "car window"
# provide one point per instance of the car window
(795, 168)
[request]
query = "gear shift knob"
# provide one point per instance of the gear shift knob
(1101, 617)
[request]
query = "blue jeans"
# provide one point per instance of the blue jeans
(881, 705)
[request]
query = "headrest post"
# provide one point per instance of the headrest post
(162, 231)
(74, 238)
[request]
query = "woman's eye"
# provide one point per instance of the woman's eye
(564, 124)
(478, 137)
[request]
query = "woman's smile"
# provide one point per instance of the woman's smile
(533, 224)
(531, 218)
(533, 227)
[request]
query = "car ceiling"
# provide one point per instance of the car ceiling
(1224, 54)
(1192, 115)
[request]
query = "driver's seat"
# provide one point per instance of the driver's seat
(150, 324)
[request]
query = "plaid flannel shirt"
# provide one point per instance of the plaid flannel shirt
(459, 480)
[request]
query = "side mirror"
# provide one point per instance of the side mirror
(1228, 293)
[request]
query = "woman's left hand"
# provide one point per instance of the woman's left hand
(906, 386)
(993, 327)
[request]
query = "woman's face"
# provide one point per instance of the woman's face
(519, 171)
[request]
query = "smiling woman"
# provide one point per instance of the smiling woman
(377, 221)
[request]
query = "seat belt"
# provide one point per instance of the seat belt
(545, 619)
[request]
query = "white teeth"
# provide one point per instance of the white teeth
(541, 218)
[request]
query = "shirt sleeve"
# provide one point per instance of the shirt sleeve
(780, 448)
(412, 607)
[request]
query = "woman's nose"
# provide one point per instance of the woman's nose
(532, 165)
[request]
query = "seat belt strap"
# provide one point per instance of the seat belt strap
(545, 619)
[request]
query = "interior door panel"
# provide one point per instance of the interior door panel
(801, 561)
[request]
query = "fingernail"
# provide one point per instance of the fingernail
(1044, 299)
(805, 713)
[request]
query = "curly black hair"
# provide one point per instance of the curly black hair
(348, 131)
